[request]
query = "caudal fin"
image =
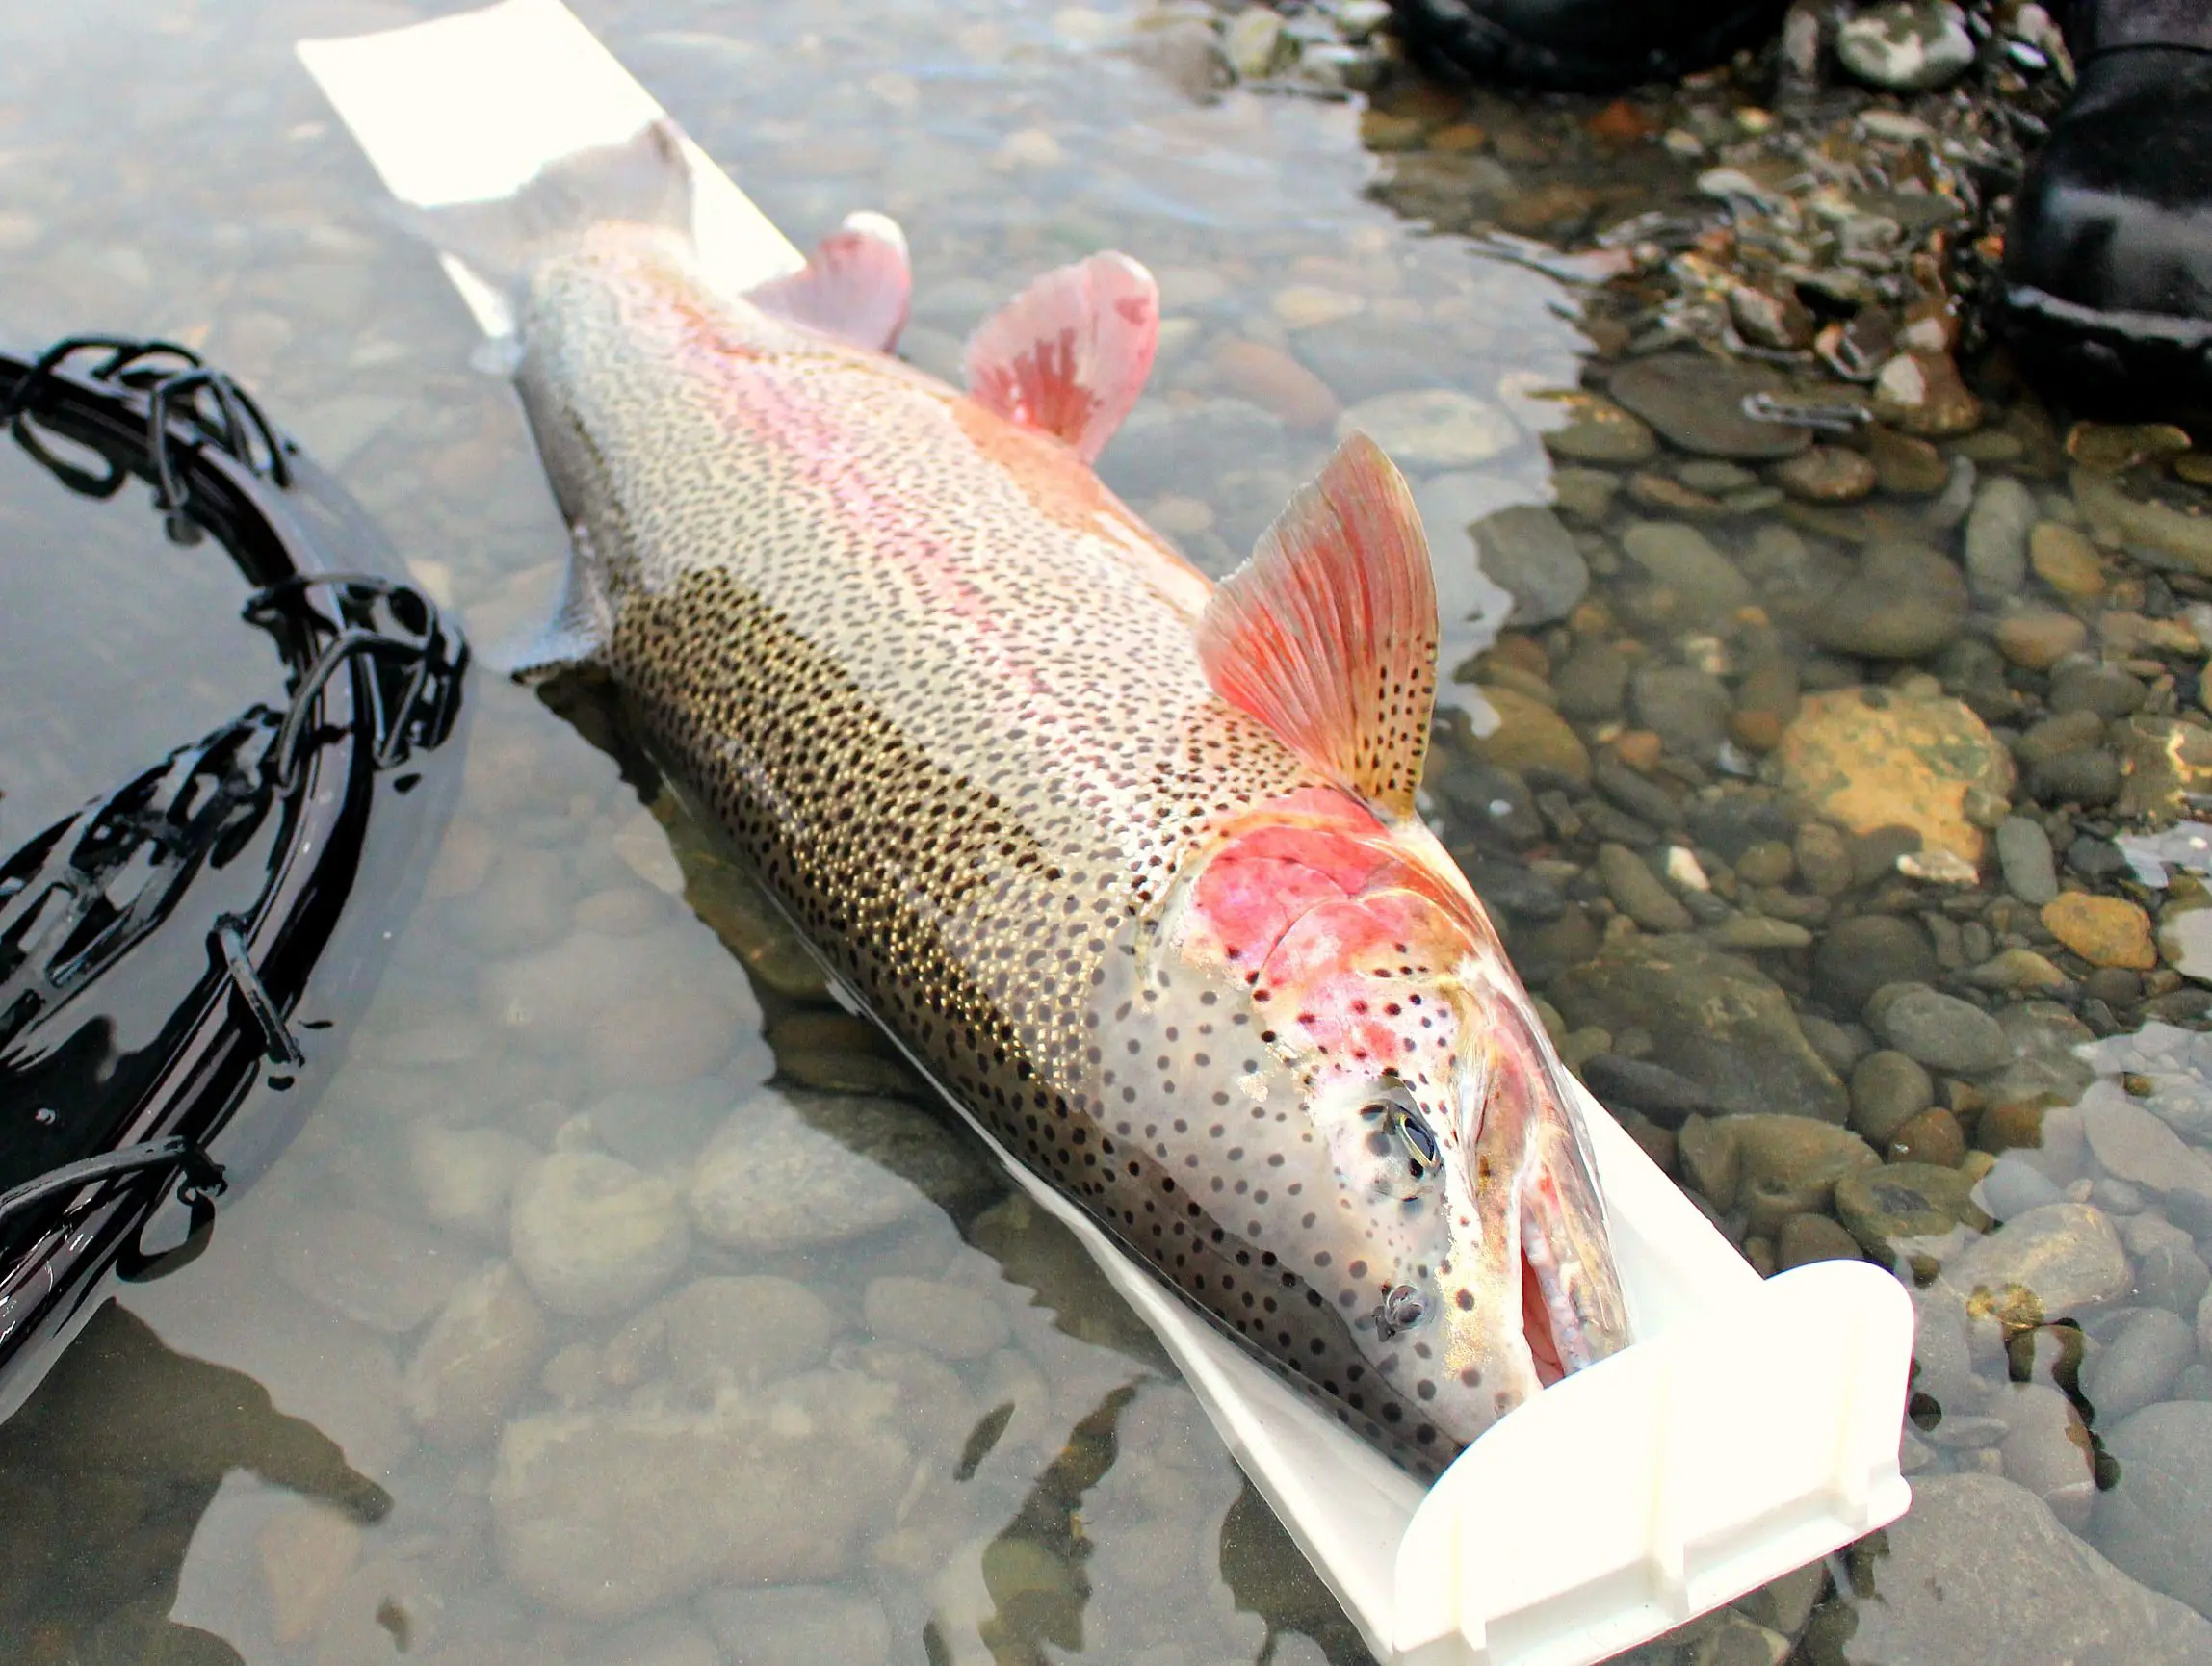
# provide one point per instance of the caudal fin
(643, 180)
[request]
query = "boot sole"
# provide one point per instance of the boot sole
(1448, 35)
(2126, 361)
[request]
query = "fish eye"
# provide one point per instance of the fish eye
(1419, 1138)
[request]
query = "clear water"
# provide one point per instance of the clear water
(995, 1463)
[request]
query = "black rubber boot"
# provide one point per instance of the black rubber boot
(1583, 46)
(2108, 263)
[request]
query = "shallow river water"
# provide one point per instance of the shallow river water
(625, 1301)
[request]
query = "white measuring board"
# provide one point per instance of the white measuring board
(1752, 1427)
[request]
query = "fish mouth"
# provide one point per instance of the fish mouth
(1546, 1244)
(1573, 1312)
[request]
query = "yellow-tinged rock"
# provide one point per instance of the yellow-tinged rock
(1909, 760)
(1530, 736)
(2103, 931)
(2065, 560)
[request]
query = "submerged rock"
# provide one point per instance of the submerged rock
(477, 1359)
(1900, 602)
(1432, 428)
(1697, 402)
(1714, 1019)
(771, 1180)
(2044, 1265)
(595, 1236)
(2156, 1523)
(1527, 551)
(1896, 761)
(607, 1513)
(1906, 46)
(1980, 1573)
(1684, 560)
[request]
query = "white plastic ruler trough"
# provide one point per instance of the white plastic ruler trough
(1753, 1427)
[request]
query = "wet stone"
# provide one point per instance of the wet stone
(1933, 1137)
(2038, 639)
(1939, 1031)
(1592, 683)
(798, 1625)
(952, 1321)
(2024, 856)
(1823, 859)
(369, 1267)
(2134, 1146)
(1530, 736)
(1600, 432)
(1900, 602)
(463, 1176)
(2043, 1265)
(1996, 540)
(1887, 1090)
(1915, 762)
(2085, 777)
(1713, 1018)
(2103, 931)
(1827, 475)
(1758, 931)
(2065, 560)
(714, 1330)
(1696, 403)
(1585, 494)
(2156, 1521)
(1638, 1085)
(2046, 1598)
(772, 1181)
(1431, 427)
(2106, 691)
(1806, 1238)
(2164, 761)
(1905, 465)
(477, 1359)
(1791, 1165)
(2046, 1450)
(2017, 972)
(1638, 893)
(1866, 954)
(1921, 394)
(2138, 1364)
(595, 1236)
(1913, 1215)
(610, 1511)
(1687, 709)
(1526, 550)
(1685, 561)
(1906, 45)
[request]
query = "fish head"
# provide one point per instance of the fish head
(1448, 1211)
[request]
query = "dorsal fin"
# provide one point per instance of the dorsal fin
(1070, 353)
(856, 287)
(1328, 634)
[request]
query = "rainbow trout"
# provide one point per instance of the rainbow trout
(1127, 860)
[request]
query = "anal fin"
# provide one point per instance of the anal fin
(580, 629)
(856, 287)
(1328, 634)
(1071, 353)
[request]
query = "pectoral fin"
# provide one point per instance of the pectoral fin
(1070, 353)
(582, 626)
(856, 287)
(1328, 634)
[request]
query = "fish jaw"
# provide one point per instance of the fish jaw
(1465, 1201)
